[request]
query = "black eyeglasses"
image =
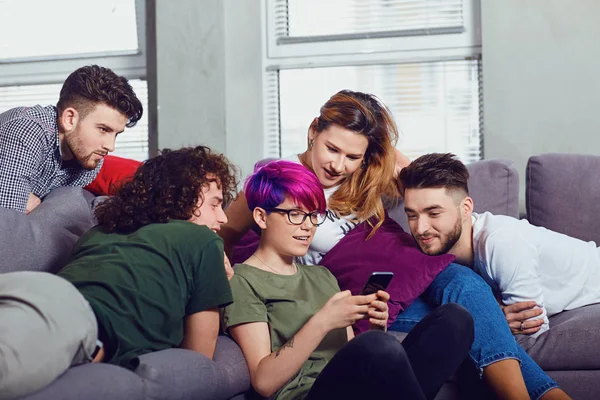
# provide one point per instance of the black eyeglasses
(297, 217)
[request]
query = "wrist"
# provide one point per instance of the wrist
(320, 323)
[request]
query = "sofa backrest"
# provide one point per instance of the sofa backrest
(43, 240)
(493, 185)
(563, 194)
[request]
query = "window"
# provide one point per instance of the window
(44, 41)
(420, 57)
(67, 28)
(133, 143)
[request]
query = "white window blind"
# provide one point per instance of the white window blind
(420, 57)
(132, 143)
(436, 105)
(66, 28)
(312, 20)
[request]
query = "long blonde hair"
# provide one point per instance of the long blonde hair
(362, 192)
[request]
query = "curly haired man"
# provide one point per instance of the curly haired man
(42, 148)
(149, 277)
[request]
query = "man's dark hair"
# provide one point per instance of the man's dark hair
(436, 170)
(92, 84)
(167, 187)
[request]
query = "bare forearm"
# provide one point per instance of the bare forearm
(201, 331)
(281, 365)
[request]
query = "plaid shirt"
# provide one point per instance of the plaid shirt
(30, 159)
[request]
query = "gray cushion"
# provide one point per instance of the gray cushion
(563, 194)
(493, 185)
(185, 374)
(93, 382)
(580, 385)
(571, 343)
(43, 240)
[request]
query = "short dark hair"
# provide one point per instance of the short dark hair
(436, 170)
(167, 187)
(92, 84)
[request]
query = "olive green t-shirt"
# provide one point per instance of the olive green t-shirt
(286, 303)
(142, 285)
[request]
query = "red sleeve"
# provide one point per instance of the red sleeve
(114, 172)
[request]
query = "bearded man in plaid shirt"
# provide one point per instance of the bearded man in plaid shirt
(45, 147)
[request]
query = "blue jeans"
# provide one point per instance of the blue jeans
(493, 339)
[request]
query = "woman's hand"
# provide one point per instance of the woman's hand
(378, 311)
(343, 310)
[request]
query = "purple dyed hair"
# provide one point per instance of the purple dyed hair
(272, 183)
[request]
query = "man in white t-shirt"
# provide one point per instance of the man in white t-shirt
(535, 272)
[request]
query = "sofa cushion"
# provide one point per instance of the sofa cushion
(185, 374)
(570, 344)
(43, 240)
(493, 186)
(563, 192)
(93, 382)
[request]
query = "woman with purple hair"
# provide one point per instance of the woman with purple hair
(294, 326)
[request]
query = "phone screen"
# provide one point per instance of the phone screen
(377, 281)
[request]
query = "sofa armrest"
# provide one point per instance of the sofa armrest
(188, 375)
(43, 240)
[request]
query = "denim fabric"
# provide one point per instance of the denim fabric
(493, 338)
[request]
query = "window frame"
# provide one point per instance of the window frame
(55, 69)
(376, 51)
(396, 41)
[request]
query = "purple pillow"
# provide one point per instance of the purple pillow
(390, 249)
(245, 247)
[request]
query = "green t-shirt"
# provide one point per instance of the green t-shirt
(286, 303)
(142, 285)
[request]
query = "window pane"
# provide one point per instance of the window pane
(133, 143)
(435, 104)
(304, 18)
(42, 28)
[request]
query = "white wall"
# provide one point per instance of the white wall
(243, 82)
(190, 73)
(541, 78)
(208, 70)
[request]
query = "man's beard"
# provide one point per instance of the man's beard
(85, 161)
(447, 240)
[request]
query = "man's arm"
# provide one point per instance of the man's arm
(19, 162)
(512, 262)
(201, 331)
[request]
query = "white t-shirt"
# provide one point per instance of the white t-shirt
(327, 234)
(523, 262)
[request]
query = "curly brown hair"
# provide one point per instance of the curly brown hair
(92, 84)
(167, 187)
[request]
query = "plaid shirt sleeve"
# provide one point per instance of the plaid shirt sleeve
(21, 154)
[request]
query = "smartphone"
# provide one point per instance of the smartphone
(377, 281)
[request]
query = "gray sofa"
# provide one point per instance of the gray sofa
(562, 193)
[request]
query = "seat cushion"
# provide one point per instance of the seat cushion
(94, 382)
(563, 192)
(571, 343)
(185, 374)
